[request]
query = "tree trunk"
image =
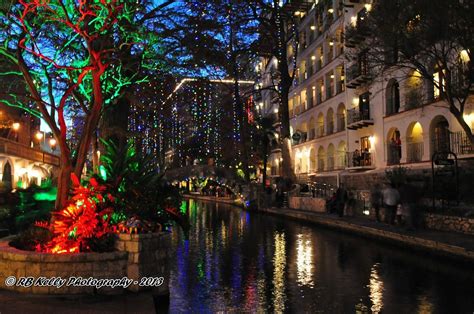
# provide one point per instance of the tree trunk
(265, 160)
(287, 165)
(286, 80)
(64, 183)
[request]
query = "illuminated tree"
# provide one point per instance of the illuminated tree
(278, 31)
(71, 56)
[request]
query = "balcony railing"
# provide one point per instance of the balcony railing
(321, 165)
(341, 123)
(457, 142)
(19, 150)
(357, 118)
(415, 152)
(341, 160)
(357, 74)
(320, 130)
(330, 165)
(360, 160)
(330, 129)
(394, 154)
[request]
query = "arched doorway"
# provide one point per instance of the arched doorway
(440, 135)
(341, 155)
(414, 142)
(312, 160)
(330, 164)
(330, 122)
(341, 117)
(320, 127)
(394, 147)
(321, 159)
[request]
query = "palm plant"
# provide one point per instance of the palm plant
(139, 187)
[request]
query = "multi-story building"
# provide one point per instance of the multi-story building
(342, 120)
(27, 155)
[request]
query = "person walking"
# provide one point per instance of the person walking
(376, 200)
(341, 199)
(391, 198)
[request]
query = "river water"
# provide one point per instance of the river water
(235, 261)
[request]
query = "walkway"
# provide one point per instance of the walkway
(448, 244)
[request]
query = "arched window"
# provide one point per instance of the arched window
(392, 97)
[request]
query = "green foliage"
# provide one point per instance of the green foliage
(138, 187)
(397, 175)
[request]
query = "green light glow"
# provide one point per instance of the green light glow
(182, 208)
(103, 172)
(46, 196)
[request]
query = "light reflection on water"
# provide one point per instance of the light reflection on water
(376, 289)
(240, 262)
(279, 267)
(304, 260)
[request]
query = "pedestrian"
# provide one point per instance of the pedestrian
(341, 199)
(409, 195)
(391, 198)
(376, 200)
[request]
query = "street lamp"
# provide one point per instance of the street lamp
(16, 126)
(52, 144)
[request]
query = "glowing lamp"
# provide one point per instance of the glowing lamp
(39, 136)
(52, 142)
(16, 126)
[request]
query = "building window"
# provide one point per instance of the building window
(392, 97)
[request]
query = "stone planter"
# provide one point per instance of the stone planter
(137, 256)
(148, 256)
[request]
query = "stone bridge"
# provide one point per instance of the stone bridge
(219, 174)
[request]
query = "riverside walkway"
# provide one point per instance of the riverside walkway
(447, 244)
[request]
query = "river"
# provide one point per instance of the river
(236, 261)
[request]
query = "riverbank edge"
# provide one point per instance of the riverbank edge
(437, 248)
(212, 199)
(402, 240)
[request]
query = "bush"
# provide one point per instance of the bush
(397, 176)
(32, 238)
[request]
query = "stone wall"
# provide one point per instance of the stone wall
(449, 223)
(137, 256)
(18, 263)
(307, 203)
(148, 256)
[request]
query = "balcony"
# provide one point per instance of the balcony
(8, 147)
(356, 34)
(360, 161)
(357, 74)
(358, 118)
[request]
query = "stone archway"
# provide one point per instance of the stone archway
(439, 135)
